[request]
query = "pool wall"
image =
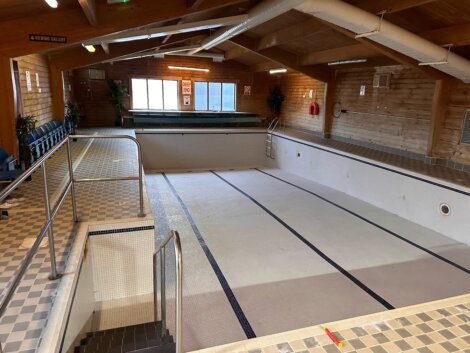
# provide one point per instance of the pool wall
(409, 195)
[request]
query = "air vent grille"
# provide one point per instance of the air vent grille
(466, 129)
(381, 81)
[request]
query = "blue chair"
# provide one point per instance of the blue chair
(7, 168)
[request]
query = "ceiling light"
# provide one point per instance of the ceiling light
(90, 48)
(188, 68)
(52, 3)
(277, 71)
(343, 62)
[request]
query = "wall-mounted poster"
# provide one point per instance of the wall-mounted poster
(187, 100)
(247, 90)
(186, 86)
(28, 81)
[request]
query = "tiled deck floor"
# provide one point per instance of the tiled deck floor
(437, 327)
(22, 324)
(414, 165)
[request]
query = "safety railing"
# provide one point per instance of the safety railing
(51, 212)
(172, 235)
(269, 138)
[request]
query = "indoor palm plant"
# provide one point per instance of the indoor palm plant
(24, 126)
(72, 115)
(116, 94)
(275, 100)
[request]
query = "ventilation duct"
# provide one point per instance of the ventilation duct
(362, 22)
(259, 14)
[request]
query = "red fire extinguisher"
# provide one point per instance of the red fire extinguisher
(314, 108)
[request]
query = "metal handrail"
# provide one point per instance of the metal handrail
(139, 156)
(178, 288)
(51, 213)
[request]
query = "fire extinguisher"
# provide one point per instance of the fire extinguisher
(314, 108)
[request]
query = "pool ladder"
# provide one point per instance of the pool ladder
(269, 138)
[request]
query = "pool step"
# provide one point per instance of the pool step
(142, 338)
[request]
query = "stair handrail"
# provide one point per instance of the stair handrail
(173, 234)
(273, 122)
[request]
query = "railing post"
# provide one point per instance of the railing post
(141, 186)
(50, 231)
(155, 281)
(163, 290)
(72, 187)
(179, 295)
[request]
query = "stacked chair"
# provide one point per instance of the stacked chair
(7, 168)
(45, 137)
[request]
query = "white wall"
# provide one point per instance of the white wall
(203, 149)
(415, 200)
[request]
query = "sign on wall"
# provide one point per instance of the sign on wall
(47, 38)
(187, 100)
(28, 81)
(186, 87)
(247, 90)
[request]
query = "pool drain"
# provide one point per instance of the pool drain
(444, 209)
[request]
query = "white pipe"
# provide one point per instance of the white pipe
(359, 21)
(148, 33)
(259, 14)
(145, 54)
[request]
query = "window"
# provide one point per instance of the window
(154, 94)
(217, 96)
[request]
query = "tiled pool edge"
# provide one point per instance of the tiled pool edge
(265, 343)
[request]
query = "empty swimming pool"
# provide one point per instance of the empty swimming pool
(266, 250)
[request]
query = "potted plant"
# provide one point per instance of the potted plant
(72, 115)
(116, 94)
(275, 100)
(24, 126)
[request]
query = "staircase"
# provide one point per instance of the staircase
(143, 338)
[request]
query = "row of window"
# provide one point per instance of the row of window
(163, 95)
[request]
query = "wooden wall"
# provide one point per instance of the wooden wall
(449, 146)
(295, 109)
(92, 94)
(37, 101)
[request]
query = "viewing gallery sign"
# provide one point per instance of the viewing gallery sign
(47, 38)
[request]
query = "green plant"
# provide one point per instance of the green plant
(24, 126)
(116, 94)
(275, 100)
(72, 114)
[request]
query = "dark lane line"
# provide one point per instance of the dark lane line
(325, 257)
(249, 332)
(430, 252)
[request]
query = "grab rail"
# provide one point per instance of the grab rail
(179, 287)
(51, 213)
(139, 157)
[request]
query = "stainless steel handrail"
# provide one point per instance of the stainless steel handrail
(51, 213)
(139, 156)
(178, 288)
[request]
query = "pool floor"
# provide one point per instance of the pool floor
(265, 251)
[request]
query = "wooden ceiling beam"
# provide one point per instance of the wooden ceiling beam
(390, 6)
(89, 9)
(298, 31)
(284, 58)
(458, 35)
(71, 23)
(78, 57)
(349, 52)
(235, 52)
(394, 55)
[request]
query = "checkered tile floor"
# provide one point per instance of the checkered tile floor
(22, 324)
(440, 330)
(414, 165)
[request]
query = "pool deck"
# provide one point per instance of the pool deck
(22, 325)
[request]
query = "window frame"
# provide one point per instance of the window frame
(146, 78)
(221, 96)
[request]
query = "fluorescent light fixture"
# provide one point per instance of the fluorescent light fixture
(52, 3)
(277, 71)
(187, 68)
(344, 62)
(90, 48)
